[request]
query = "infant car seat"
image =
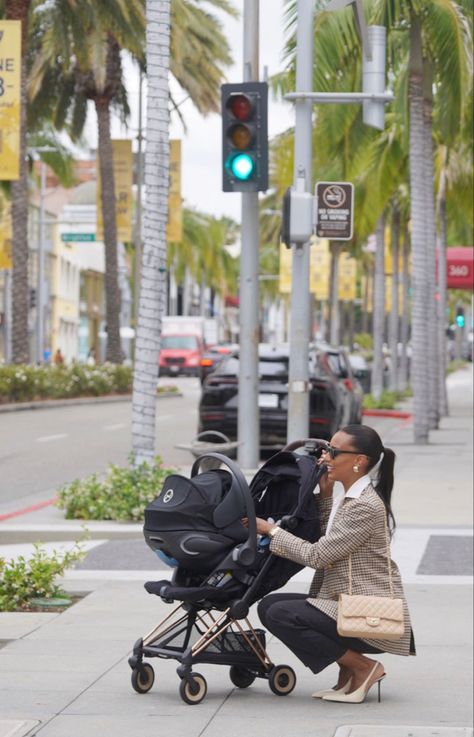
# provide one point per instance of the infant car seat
(196, 521)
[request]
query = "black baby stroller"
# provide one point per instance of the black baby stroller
(221, 568)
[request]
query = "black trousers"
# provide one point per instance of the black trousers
(309, 633)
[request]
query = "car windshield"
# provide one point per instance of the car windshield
(179, 342)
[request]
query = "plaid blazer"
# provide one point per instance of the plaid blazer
(357, 529)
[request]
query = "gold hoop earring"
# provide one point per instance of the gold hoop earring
(355, 468)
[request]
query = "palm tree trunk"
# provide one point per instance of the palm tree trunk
(18, 10)
(112, 293)
(430, 216)
(379, 311)
(405, 326)
(153, 278)
(443, 406)
(334, 334)
(393, 324)
(419, 256)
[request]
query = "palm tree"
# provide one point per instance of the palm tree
(153, 277)
(202, 252)
(151, 305)
(81, 49)
(438, 33)
(19, 10)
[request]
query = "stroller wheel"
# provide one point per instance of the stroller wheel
(282, 680)
(193, 689)
(241, 677)
(143, 678)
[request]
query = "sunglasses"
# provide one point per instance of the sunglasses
(334, 452)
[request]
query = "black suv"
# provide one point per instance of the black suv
(329, 405)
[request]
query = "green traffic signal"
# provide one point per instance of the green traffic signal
(244, 137)
(241, 166)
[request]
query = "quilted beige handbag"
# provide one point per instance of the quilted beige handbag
(371, 617)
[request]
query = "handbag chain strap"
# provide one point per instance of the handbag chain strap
(388, 562)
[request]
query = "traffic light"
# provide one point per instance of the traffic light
(460, 321)
(244, 137)
(32, 298)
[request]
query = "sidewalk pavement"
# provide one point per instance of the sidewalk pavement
(66, 675)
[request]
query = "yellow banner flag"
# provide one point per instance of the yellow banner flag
(347, 278)
(123, 175)
(389, 295)
(285, 269)
(174, 231)
(5, 233)
(367, 285)
(320, 268)
(10, 94)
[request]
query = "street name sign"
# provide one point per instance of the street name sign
(334, 210)
(77, 237)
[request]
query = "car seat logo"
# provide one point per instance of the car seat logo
(168, 496)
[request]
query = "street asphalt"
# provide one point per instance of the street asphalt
(66, 674)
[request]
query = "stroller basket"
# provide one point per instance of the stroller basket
(212, 641)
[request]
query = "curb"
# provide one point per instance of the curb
(52, 403)
(395, 413)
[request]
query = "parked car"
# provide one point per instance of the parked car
(341, 366)
(328, 405)
(180, 354)
(213, 355)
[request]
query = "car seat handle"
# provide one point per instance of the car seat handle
(245, 553)
(311, 445)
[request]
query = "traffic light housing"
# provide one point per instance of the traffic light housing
(244, 137)
(460, 320)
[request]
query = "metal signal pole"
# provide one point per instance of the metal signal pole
(248, 414)
(298, 394)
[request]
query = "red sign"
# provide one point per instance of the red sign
(460, 268)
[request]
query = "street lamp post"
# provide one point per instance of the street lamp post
(40, 300)
(40, 289)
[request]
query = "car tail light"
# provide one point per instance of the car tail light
(222, 380)
(318, 421)
(349, 385)
(318, 385)
(212, 416)
(207, 362)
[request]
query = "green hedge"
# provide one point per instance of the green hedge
(121, 495)
(27, 383)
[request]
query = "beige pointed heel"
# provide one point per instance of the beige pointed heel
(358, 696)
(344, 689)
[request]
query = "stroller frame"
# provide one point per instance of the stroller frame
(221, 639)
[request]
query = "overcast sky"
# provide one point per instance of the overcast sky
(201, 145)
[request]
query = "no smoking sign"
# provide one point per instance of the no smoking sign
(334, 210)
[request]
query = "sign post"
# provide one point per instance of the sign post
(334, 210)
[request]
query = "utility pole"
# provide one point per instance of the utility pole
(40, 300)
(373, 98)
(248, 414)
(298, 397)
(138, 216)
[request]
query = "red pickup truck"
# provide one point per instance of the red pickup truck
(180, 354)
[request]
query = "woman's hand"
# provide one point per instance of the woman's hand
(325, 485)
(263, 527)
